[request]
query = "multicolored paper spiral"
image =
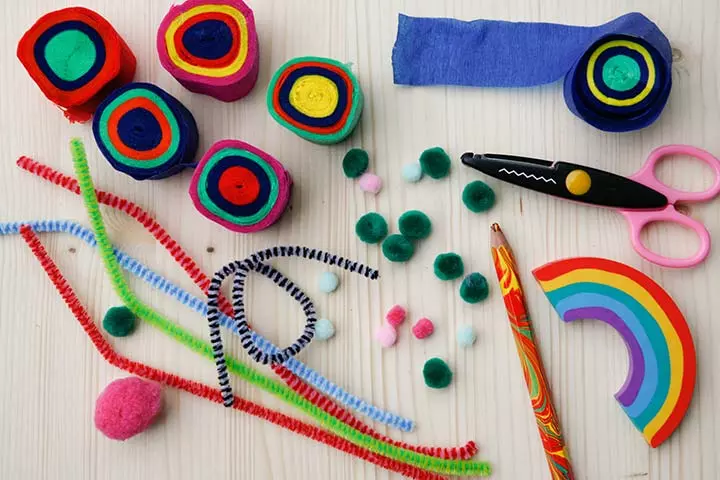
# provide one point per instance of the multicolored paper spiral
(317, 98)
(145, 132)
(211, 47)
(240, 187)
(620, 83)
(76, 57)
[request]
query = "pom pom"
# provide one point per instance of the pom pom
(127, 407)
(412, 172)
(371, 183)
(119, 321)
(397, 248)
(478, 196)
(355, 162)
(328, 282)
(436, 373)
(466, 336)
(423, 328)
(474, 288)
(435, 162)
(396, 315)
(448, 266)
(371, 228)
(386, 336)
(324, 329)
(415, 225)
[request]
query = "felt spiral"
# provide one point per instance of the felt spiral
(211, 47)
(621, 83)
(76, 57)
(319, 99)
(145, 132)
(240, 187)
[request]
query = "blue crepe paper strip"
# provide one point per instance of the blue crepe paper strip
(159, 282)
(493, 53)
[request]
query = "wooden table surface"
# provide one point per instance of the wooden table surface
(51, 375)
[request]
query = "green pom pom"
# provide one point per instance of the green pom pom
(436, 373)
(398, 248)
(478, 196)
(474, 288)
(119, 321)
(355, 162)
(435, 162)
(448, 266)
(415, 225)
(371, 227)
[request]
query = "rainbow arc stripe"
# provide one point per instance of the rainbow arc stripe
(662, 372)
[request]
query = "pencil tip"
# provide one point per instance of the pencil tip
(495, 227)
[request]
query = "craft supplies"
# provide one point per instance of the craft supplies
(211, 47)
(324, 329)
(474, 288)
(617, 75)
(437, 373)
(386, 335)
(119, 321)
(328, 282)
(319, 99)
(355, 162)
(423, 328)
(396, 315)
(414, 225)
(540, 396)
(662, 364)
(145, 132)
(466, 336)
(370, 183)
(76, 57)
(412, 172)
(127, 407)
(240, 187)
(371, 228)
(398, 248)
(641, 198)
(435, 163)
(448, 266)
(478, 197)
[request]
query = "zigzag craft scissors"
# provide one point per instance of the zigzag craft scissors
(641, 198)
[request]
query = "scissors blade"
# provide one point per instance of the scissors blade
(569, 181)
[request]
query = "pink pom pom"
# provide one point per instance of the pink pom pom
(395, 316)
(127, 407)
(369, 182)
(386, 335)
(423, 328)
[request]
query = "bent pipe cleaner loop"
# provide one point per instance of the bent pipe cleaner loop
(211, 47)
(76, 58)
(618, 75)
(145, 132)
(255, 262)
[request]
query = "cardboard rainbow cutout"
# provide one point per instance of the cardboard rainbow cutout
(661, 377)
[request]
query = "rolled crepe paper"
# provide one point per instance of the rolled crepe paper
(76, 58)
(240, 187)
(145, 132)
(211, 47)
(317, 98)
(617, 75)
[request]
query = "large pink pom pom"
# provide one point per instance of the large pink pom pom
(423, 328)
(126, 407)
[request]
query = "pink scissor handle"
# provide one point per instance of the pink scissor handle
(646, 175)
(638, 220)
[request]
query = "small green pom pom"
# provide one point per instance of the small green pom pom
(474, 288)
(436, 373)
(398, 248)
(415, 225)
(355, 162)
(478, 196)
(371, 228)
(119, 321)
(448, 266)
(435, 162)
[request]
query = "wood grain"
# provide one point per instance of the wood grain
(50, 375)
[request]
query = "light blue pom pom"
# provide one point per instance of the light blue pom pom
(328, 282)
(324, 329)
(466, 336)
(412, 172)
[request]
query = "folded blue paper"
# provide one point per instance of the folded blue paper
(617, 75)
